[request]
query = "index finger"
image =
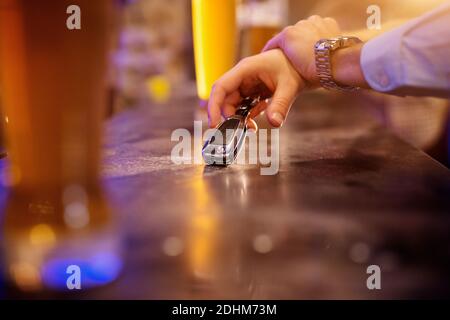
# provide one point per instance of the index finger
(223, 87)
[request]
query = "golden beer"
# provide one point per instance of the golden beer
(215, 41)
(53, 94)
(259, 21)
(254, 38)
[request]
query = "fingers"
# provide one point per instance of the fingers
(314, 18)
(215, 101)
(229, 106)
(273, 43)
(227, 84)
(260, 107)
(331, 22)
(323, 25)
(291, 32)
(226, 95)
(271, 69)
(326, 26)
(333, 26)
(282, 100)
(251, 125)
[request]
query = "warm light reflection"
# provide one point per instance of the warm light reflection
(159, 88)
(263, 243)
(42, 235)
(173, 246)
(203, 230)
(26, 276)
(76, 213)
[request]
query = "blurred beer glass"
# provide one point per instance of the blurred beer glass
(215, 41)
(56, 222)
(259, 21)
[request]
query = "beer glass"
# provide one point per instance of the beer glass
(215, 41)
(259, 21)
(58, 232)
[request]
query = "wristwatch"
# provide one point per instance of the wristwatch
(323, 50)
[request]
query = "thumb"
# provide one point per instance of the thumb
(273, 43)
(282, 100)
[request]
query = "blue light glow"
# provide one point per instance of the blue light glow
(96, 270)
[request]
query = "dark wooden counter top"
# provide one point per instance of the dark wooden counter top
(348, 194)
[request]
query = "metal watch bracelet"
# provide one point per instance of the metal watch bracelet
(323, 50)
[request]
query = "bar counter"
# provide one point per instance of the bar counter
(348, 194)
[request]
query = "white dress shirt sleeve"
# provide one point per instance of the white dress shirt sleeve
(413, 59)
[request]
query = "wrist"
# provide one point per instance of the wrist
(346, 67)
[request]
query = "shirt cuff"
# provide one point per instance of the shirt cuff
(381, 61)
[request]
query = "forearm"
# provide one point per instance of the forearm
(367, 34)
(411, 60)
(346, 62)
(346, 67)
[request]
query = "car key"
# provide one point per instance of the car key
(225, 144)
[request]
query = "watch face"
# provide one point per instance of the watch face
(321, 44)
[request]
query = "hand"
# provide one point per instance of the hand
(297, 43)
(269, 74)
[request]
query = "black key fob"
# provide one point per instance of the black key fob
(223, 147)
